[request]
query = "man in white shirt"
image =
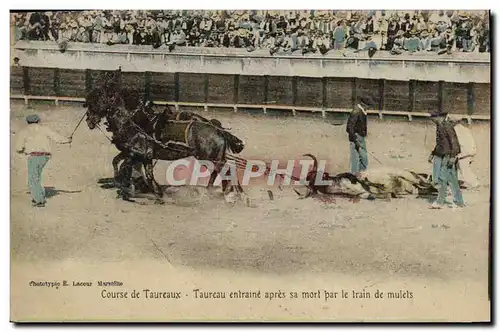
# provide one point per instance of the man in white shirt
(34, 142)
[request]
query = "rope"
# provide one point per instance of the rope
(109, 139)
(78, 125)
(371, 154)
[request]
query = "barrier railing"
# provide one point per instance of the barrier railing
(264, 107)
(260, 53)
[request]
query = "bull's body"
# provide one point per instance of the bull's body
(382, 182)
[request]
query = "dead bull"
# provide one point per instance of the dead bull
(375, 183)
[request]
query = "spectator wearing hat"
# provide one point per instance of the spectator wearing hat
(20, 31)
(321, 43)
(302, 39)
(308, 48)
(107, 30)
(193, 36)
(163, 31)
(382, 24)
(66, 32)
(447, 44)
(425, 40)
(98, 27)
(413, 44)
(45, 24)
(464, 33)
(369, 46)
(55, 24)
(225, 40)
(483, 38)
(179, 38)
(83, 35)
(445, 168)
(289, 45)
(74, 31)
(34, 142)
(398, 43)
(422, 24)
(434, 41)
(120, 37)
(406, 25)
(357, 131)
(392, 30)
(129, 31)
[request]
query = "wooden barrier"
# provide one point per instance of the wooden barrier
(264, 107)
(297, 94)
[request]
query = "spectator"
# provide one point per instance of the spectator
(98, 28)
(392, 30)
(425, 41)
(435, 41)
(398, 45)
(302, 39)
(339, 35)
(412, 43)
(447, 44)
(309, 31)
(369, 46)
(83, 35)
(463, 33)
(321, 43)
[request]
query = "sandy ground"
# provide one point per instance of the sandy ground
(85, 233)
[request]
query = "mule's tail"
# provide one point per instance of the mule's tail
(315, 165)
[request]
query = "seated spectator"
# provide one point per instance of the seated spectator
(269, 40)
(178, 38)
(82, 35)
(412, 42)
(369, 46)
(483, 37)
(464, 33)
(447, 42)
(352, 41)
(392, 29)
(425, 40)
(310, 31)
(321, 43)
(435, 41)
(302, 39)
(20, 31)
(398, 45)
(310, 46)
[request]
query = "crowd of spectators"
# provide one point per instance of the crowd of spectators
(305, 31)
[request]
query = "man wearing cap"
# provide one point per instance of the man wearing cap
(444, 157)
(357, 130)
(34, 142)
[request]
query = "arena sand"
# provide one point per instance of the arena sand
(199, 242)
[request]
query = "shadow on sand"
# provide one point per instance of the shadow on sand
(52, 191)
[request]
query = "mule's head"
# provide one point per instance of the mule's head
(93, 119)
(237, 145)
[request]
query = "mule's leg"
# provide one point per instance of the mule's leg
(148, 167)
(116, 161)
(124, 177)
(213, 176)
